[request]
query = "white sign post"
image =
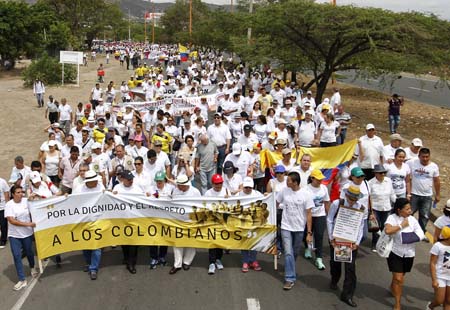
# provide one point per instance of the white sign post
(73, 58)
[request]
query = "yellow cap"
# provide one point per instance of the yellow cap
(445, 232)
(317, 174)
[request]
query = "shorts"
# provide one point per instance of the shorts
(399, 264)
(443, 282)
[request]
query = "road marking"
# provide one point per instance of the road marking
(420, 89)
(253, 304)
(28, 290)
(373, 80)
(418, 78)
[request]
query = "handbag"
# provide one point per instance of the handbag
(177, 143)
(384, 245)
(372, 225)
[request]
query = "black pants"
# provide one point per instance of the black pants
(350, 274)
(319, 224)
(130, 254)
(154, 251)
(53, 117)
(3, 227)
(214, 254)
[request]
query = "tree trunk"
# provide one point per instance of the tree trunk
(322, 85)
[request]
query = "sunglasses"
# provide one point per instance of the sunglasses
(217, 117)
(137, 164)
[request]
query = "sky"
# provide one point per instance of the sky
(439, 7)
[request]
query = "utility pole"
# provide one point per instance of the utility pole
(190, 22)
(232, 8)
(249, 30)
(129, 26)
(153, 24)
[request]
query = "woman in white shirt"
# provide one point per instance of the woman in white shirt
(400, 174)
(232, 181)
(329, 130)
(382, 197)
(442, 221)
(260, 128)
(319, 214)
(440, 274)
(20, 233)
(405, 231)
(50, 162)
(256, 112)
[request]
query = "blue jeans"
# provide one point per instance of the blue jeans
(423, 205)
(381, 217)
(92, 258)
(394, 122)
(341, 139)
(292, 241)
(248, 256)
(17, 244)
(205, 180)
(220, 158)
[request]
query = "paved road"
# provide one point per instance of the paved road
(417, 89)
(70, 288)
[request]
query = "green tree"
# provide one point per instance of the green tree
(89, 19)
(320, 39)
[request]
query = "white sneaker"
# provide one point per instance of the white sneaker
(428, 306)
(219, 264)
(212, 269)
(319, 264)
(34, 272)
(308, 254)
(20, 285)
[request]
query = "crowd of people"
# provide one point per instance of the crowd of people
(214, 151)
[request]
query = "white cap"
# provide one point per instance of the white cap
(91, 120)
(307, 103)
(326, 100)
(52, 143)
(55, 125)
(310, 112)
(309, 92)
(417, 142)
(370, 126)
(248, 182)
(237, 149)
(282, 121)
(96, 145)
(35, 177)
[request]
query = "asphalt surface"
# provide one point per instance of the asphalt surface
(70, 288)
(415, 88)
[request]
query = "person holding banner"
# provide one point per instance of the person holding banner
(217, 190)
(183, 257)
(406, 231)
(127, 187)
(352, 195)
(92, 257)
(20, 233)
(249, 256)
(297, 205)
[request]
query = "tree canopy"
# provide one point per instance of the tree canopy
(320, 39)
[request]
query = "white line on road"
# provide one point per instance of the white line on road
(420, 89)
(27, 291)
(418, 78)
(253, 304)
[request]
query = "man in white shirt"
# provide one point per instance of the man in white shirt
(65, 116)
(307, 129)
(19, 173)
(241, 159)
(390, 149)
(304, 170)
(278, 94)
(248, 139)
(412, 152)
(96, 94)
(297, 205)
(335, 100)
(220, 134)
(424, 178)
(309, 98)
(369, 151)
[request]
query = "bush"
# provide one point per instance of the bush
(49, 70)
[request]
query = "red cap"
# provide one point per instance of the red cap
(217, 178)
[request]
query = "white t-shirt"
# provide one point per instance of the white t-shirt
(4, 188)
(306, 132)
(329, 132)
(213, 193)
(295, 206)
(442, 221)
(84, 189)
(277, 187)
(166, 191)
(410, 155)
(398, 177)
(404, 250)
(20, 212)
(443, 262)
(232, 184)
(373, 150)
(133, 189)
(422, 177)
(320, 196)
(242, 162)
(64, 112)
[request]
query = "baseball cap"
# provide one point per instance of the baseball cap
(281, 121)
(310, 112)
(317, 174)
(445, 232)
(127, 175)
(86, 155)
(396, 136)
(280, 141)
(286, 151)
(247, 127)
(95, 145)
(156, 143)
(217, 179)
(35, 177)
(417, 142)
(357, 172)
(237, 149)
(326, 106)
(309, 92)
(160, 176)
(52, 143)
(248, 182)
(370, 126)
(447, 205)
(279, 169)
(138, 138)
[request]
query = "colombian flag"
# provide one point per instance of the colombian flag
(184, 55)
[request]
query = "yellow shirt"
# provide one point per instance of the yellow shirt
(99, 134)
(131, 84)
(166, 139)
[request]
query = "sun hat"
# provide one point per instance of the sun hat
(353, 192)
